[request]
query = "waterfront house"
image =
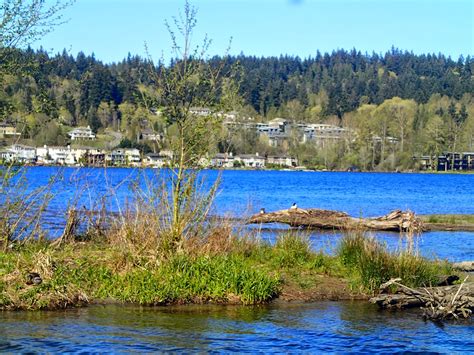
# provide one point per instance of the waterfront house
(223, 160)
(282, 160)
(251, 160)
(19, 153)
(94, 157)
(116, 157)
(154, 160)
(124, 156)
(82, 133)
(132, 156)
(426, 162)
(456, 161)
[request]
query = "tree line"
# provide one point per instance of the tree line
(424, 101)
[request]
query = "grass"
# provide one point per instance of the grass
(249, 272)
(130, 258)
(455, 219)
(372, 264)
(81, 273)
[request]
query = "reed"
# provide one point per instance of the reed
(372, 264)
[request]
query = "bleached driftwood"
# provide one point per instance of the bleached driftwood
(467, 266)
(437, 303)
(397, 220)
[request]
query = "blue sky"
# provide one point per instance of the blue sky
(112, 28)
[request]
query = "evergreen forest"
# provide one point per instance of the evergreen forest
(423, 103)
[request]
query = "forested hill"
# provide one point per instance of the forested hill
(335, 83)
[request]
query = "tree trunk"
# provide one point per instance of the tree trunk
(325, 219)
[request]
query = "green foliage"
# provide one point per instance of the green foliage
(372, 264)
(291, 249)
(142, 147)
(181, 279)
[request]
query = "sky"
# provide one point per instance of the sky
(113, 28)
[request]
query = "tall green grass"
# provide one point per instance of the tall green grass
(372, 264)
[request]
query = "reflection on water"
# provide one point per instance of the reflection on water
(322, 326)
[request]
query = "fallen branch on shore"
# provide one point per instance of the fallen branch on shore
(437, 303)
(467, 266)
(398, 221)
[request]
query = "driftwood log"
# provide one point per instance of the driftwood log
(437, 303)
(399, 221)
(467, 266)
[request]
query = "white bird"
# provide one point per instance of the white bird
(293, 206)
(262, 210)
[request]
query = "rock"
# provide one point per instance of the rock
(33, 278)
(447, 280)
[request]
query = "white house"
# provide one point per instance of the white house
(116, 157)
(154, 160)
(282, 160)
(132, 156)
(82, 133)
(251, 161)
(124, 156)
(19, 153)
(223, 160)
(58, 155)
(200, 111)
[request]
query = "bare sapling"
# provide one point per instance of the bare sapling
(189, 83)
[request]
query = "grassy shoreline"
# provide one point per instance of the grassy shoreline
(247, 272)
(448, 222)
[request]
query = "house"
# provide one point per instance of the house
(154, 160)
(282, 160)
(276, 130)
(388, 139)
(7, 131)
(124, 156)
(200, 111)
(223, 160)
(167, 153)
(275, 127)
(456, 161)
(251, 161)
(426, 162)
(95, 157)
(149, 135)
(78, 155)
(82, 133)
(116, 157)
(19, 153)
(321, 133)
(6, 155)
(132, 156)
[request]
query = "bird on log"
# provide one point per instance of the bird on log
(398, 221)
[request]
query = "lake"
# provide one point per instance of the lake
(244, 192)
(313, 327)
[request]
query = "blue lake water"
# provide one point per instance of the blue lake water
(243, 192)
(315, 327)
(240, 192)
(340, 327)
